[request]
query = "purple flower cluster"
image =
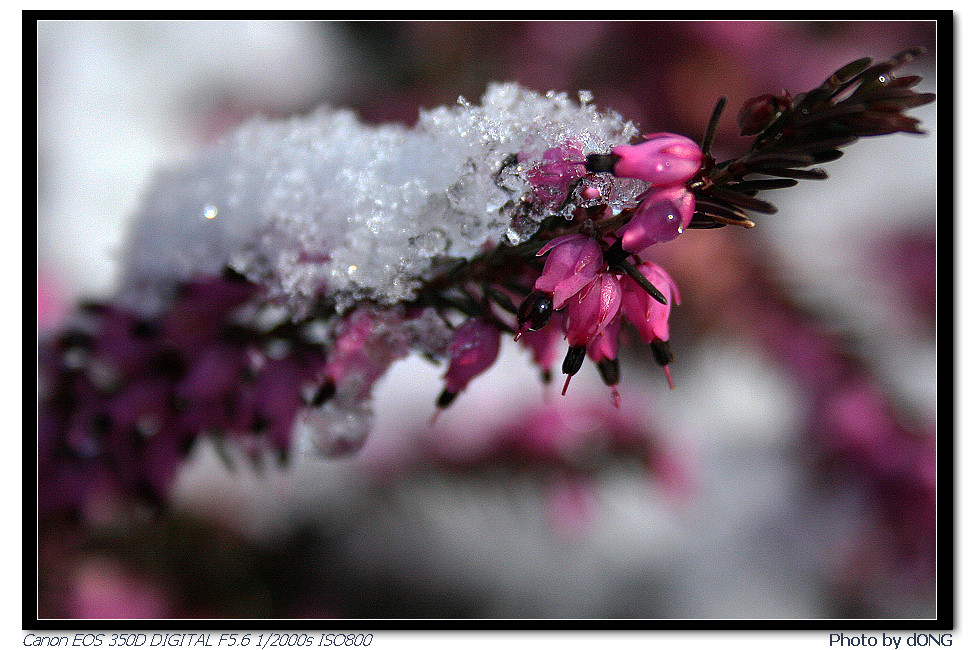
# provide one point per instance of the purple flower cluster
(123, 398)
(856, 434)
(593, 278)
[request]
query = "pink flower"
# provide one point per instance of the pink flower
(662, 159)
(472, 351)
(363, 351)
(603, 350)
(553, 179)
(648, 315)
(605, 346)
(573, 262)
(661, 216)
(597, 305)
(587, 317)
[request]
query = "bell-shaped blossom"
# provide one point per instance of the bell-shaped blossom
(472, 351)
(661, 216)
(573, 262)
(648, 315)
(606, 344)
(593, 311)
(661, 159)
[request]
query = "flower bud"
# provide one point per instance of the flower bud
(758, 112)
(660, 217)
(472, 351)
(662, 159)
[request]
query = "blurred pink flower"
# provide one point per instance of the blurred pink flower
(473, 350)
(103, 590)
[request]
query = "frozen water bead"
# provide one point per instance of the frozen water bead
(324, 204)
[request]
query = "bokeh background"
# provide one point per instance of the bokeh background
(791, 474)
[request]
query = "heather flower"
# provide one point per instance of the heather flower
(648, 315)
(661, 159)
(592, 312)
(587, 317)
(554, 177)
(473, 350)
(573, 262)
(661, 216)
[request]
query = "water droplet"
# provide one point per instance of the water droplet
(332, 430)
(210, 211)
